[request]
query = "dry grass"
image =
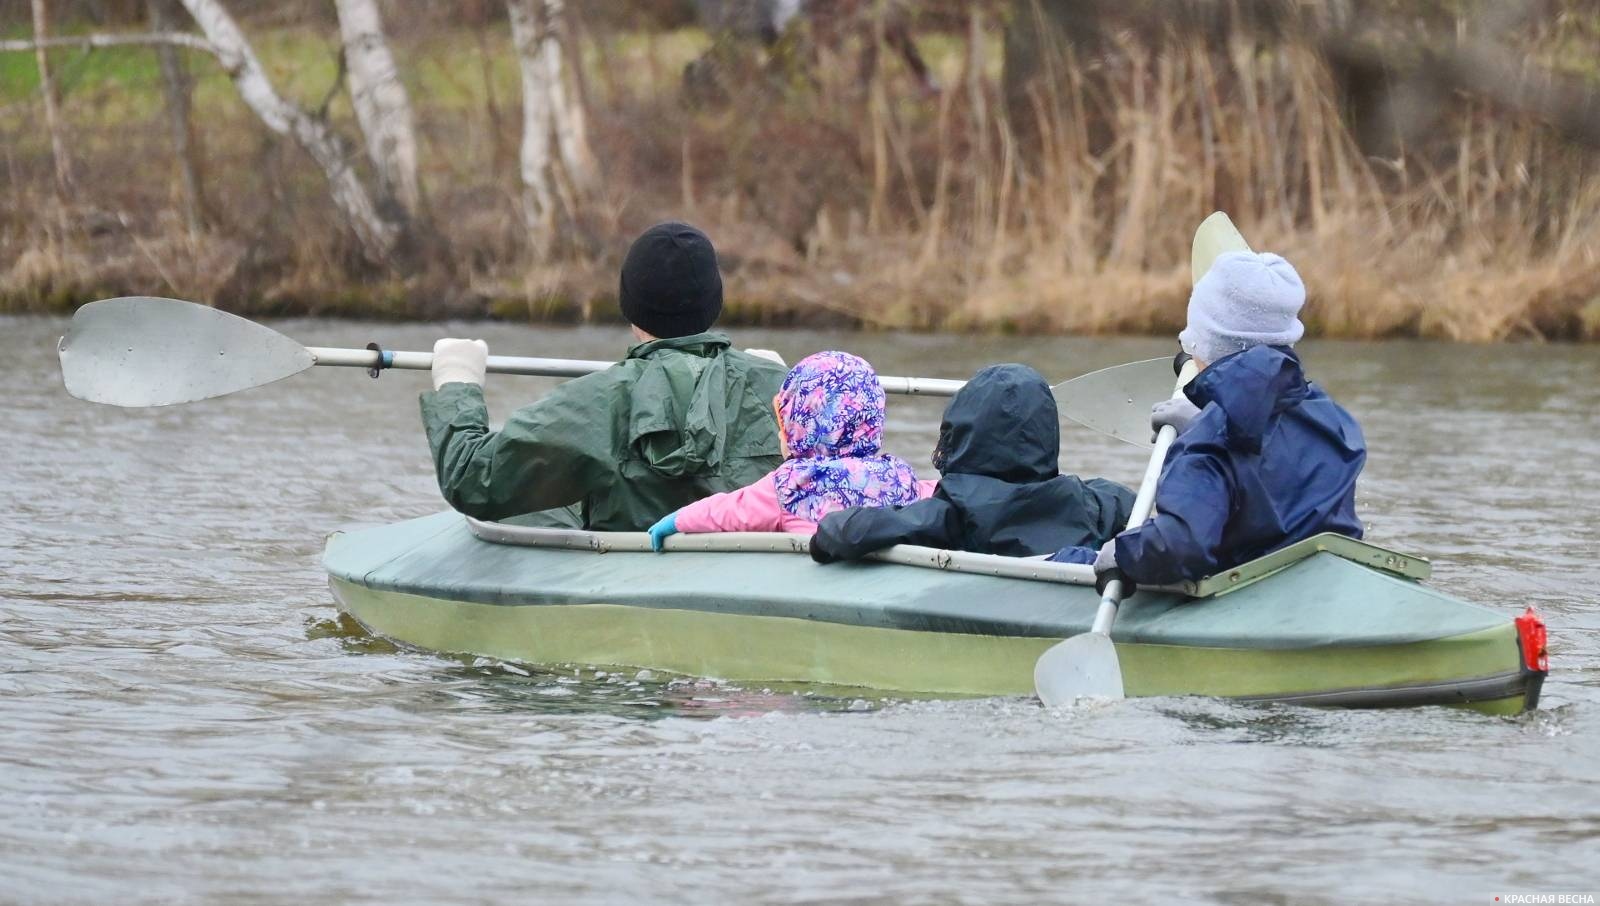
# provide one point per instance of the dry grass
(833, 201)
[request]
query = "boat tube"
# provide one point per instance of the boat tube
(1327, 621)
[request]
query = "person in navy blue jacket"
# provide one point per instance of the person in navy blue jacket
(1263, 458)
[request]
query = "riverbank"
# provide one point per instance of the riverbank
(832, 203)
(1349, 297)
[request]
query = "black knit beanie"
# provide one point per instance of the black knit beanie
(670, 284)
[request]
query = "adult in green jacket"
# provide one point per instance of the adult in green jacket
(682, 417)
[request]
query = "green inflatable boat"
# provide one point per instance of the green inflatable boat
(1329, 621)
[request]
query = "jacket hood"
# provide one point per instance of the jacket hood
(1251, 388)
(831, 405)
(678, 420)
(710, 343)
(1003, 425)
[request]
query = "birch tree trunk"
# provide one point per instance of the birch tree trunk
(382, 107)
(175, 83)
(538, 186)
(571, 122)
(554, 129)
(377, 236)
(47, 90)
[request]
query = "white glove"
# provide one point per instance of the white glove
(770, 355)
(1106, 558)
(459, 361)
(1177, 412)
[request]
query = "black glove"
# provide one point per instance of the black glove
(818, 554)
(1180, 360)
(1101, 580)
(1106, 569)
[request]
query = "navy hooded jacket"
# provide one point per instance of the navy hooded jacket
(1270, 460)
(1001, 491)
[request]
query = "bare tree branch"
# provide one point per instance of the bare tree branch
(176, 86)
(334, 87)
(1434, 61)
(96, 42)
(1505, 79)
(47, 91)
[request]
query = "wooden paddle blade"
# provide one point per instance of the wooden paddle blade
(143, 351)
(1084, 666)
(1117, 400)
(1216, 235)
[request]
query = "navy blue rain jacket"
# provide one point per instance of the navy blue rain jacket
(1270, 460)
(1000, 490)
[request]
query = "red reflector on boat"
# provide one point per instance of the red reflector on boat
(1531, 633)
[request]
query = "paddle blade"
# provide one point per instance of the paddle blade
(1117, 400)
(1084, 666)
(142, 351)
(1216, 235)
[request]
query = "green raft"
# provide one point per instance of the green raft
(1329, 621)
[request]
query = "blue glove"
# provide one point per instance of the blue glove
(1081, 555)
(662, 530)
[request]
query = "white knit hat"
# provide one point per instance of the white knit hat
(1246, 299)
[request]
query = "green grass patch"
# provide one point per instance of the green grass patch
(447, 71)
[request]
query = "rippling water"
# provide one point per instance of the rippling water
(183, 717)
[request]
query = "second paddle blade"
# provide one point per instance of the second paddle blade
(141, 351)
(1216, 235)
(1117, 400)
(1084, 666)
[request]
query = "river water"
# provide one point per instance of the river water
(184, 718)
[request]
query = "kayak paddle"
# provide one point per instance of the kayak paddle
(141, 351)
(1116, 401)
(1086, 665)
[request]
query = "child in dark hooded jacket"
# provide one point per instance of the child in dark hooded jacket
(1001, 491)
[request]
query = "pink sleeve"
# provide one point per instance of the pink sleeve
(752, 508)
(925, 487)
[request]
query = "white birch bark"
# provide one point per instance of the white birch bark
(570, 122)
(239, 61)
(382, 106)
(554, 128)
(538, 183)
(96, 41)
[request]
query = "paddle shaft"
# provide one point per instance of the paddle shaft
(1143, 503)
(1086, 664)
(144, 351)
(1216, 235)
(568, 368)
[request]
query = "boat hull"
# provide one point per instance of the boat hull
(1323, 631)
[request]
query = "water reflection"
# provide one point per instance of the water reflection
(493, 684)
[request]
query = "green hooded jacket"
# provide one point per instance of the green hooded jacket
(677, 420)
